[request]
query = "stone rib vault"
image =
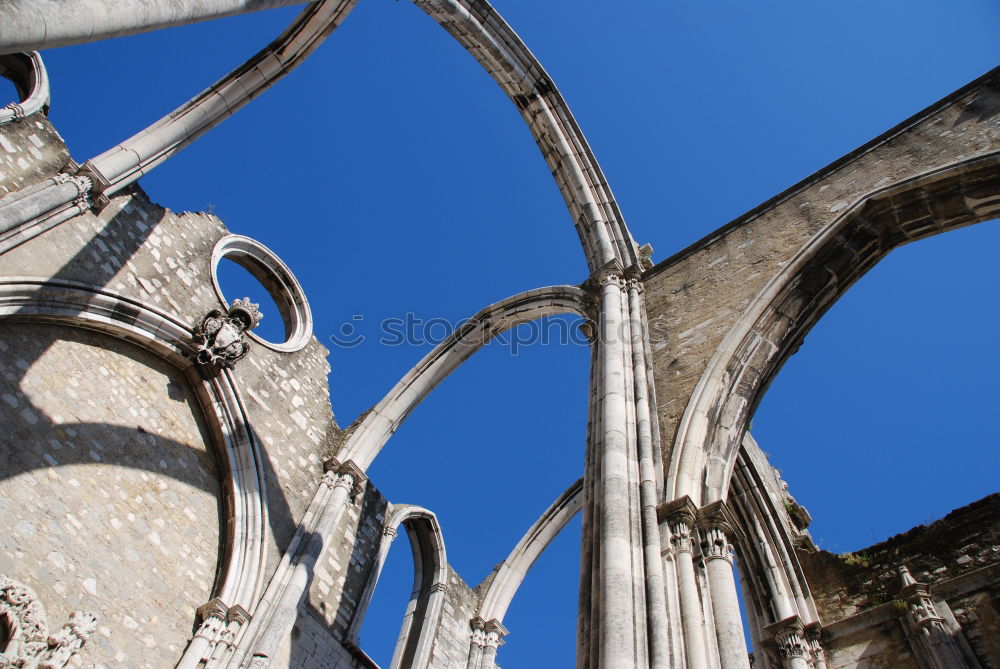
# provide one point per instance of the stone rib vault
(118, 348)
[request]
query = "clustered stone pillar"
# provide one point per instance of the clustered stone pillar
(680, 516)
(715, 526)
(624, 621)
(620, 618)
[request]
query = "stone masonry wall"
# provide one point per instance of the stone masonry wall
(108, 490)
(30, 151)
(451, 643)
(958, 556)
(149, 254)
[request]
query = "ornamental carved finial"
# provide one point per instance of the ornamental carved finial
(221, 337)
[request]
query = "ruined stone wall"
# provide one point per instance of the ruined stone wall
(151, 254)
(857, 594)
(30, 151)
(109, 492)
(451, 641)
(694, 298)
(118, 432)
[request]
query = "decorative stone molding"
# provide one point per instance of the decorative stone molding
(220, 337)
(920, 604)
(84, 186)
(28, 643)
(27, 72)
(16, 110)
(279, 282)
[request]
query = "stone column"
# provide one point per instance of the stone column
(717, 529)
(656, 607)
(790, 640)
(619, 617)
(30, 25)
(680, 514)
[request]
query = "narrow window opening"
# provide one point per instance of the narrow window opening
(381, 627)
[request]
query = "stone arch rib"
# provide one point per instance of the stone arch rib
(775, 323)
(511, 572)
(32, 211)
(488, 38)
(382, 421)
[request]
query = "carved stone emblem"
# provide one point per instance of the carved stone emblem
(25, 642)
(221, 336)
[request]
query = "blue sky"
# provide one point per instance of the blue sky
(394, 177)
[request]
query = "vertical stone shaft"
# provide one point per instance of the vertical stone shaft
(656, 608)
(618, 617)
(687, 587)
(717, 552)
(589, 566)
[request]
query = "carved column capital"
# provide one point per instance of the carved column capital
(718, 528)
(84, 186)
(389, 532)
(487, 633)
(345, 475)
(608, 275)
(789, 637)
(679, 515)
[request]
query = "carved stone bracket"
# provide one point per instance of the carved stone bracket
(27, 643)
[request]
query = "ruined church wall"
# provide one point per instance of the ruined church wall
(109, 494)
(127, 398)
(695, 297)
(857, 594)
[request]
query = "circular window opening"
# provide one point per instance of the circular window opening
(236, 281)
(247, 268)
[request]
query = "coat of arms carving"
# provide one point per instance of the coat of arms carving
(221, 336)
